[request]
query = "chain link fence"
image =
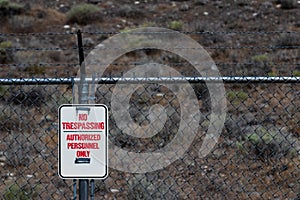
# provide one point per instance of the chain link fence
(257, 155)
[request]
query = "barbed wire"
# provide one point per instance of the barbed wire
(128, 32)
(132, 64)
(40, 64)
(182, 48)
(37, 34)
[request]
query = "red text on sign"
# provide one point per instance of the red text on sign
(83, 154)
(83, 117)
(83, 125)
(75, 145)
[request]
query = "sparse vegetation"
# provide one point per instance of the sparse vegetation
(129, 11)
(36, 70)
(288, 4)
(5, 54)
(272, 74)
(20, 23)
(296, 73)
(9, 119)
(266, 143)
(2, 91)
(141, 187)
(238, 48)
(16, 192)
(260, 58)
(9, 8)
(176, 25)
(261, 62)
(237, 97)
(28, 96)
(84, 14)
(288, 40)
(19, 149)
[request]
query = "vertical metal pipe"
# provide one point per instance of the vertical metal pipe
(92, 189)
(80, 48)
(74, 189)
(83, 189)
(83, 98)
(82, 67)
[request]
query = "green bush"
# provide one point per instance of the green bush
(20, 193)
(21, 23)
(8, 8)
(272, 74)
(5, 44)
(236, 97)
(261, 62)
(266, 143)
(142, 187)
(288, 4)
(176, 25)
(129, 11)
(260, 58)
(296, 73)
(83, 14)
(9, 120)
(5, 55)
(288, 40)
(36, 70)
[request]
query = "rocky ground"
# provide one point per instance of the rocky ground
(229, 30)
(258, 153)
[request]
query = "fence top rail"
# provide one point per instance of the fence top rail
(138, 80)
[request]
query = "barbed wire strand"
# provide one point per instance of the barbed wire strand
(66, 33)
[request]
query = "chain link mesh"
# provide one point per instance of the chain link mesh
(257, 155)
(29, 142)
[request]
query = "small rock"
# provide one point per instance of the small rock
(2, 158)
(255, 195)
(266, 8)
(88, 42)
(201, 2)
(114, 190)
(184, 7)
(67, 26)
(218, 153)
(204, 167)
(266, 5)
(291, 185)
(94, 1)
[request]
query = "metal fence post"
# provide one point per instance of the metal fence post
(83, 98)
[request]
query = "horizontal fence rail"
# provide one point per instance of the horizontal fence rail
(137, 80)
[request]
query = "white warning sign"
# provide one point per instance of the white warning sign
(83, 133)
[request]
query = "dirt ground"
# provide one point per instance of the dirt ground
(244, 38)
